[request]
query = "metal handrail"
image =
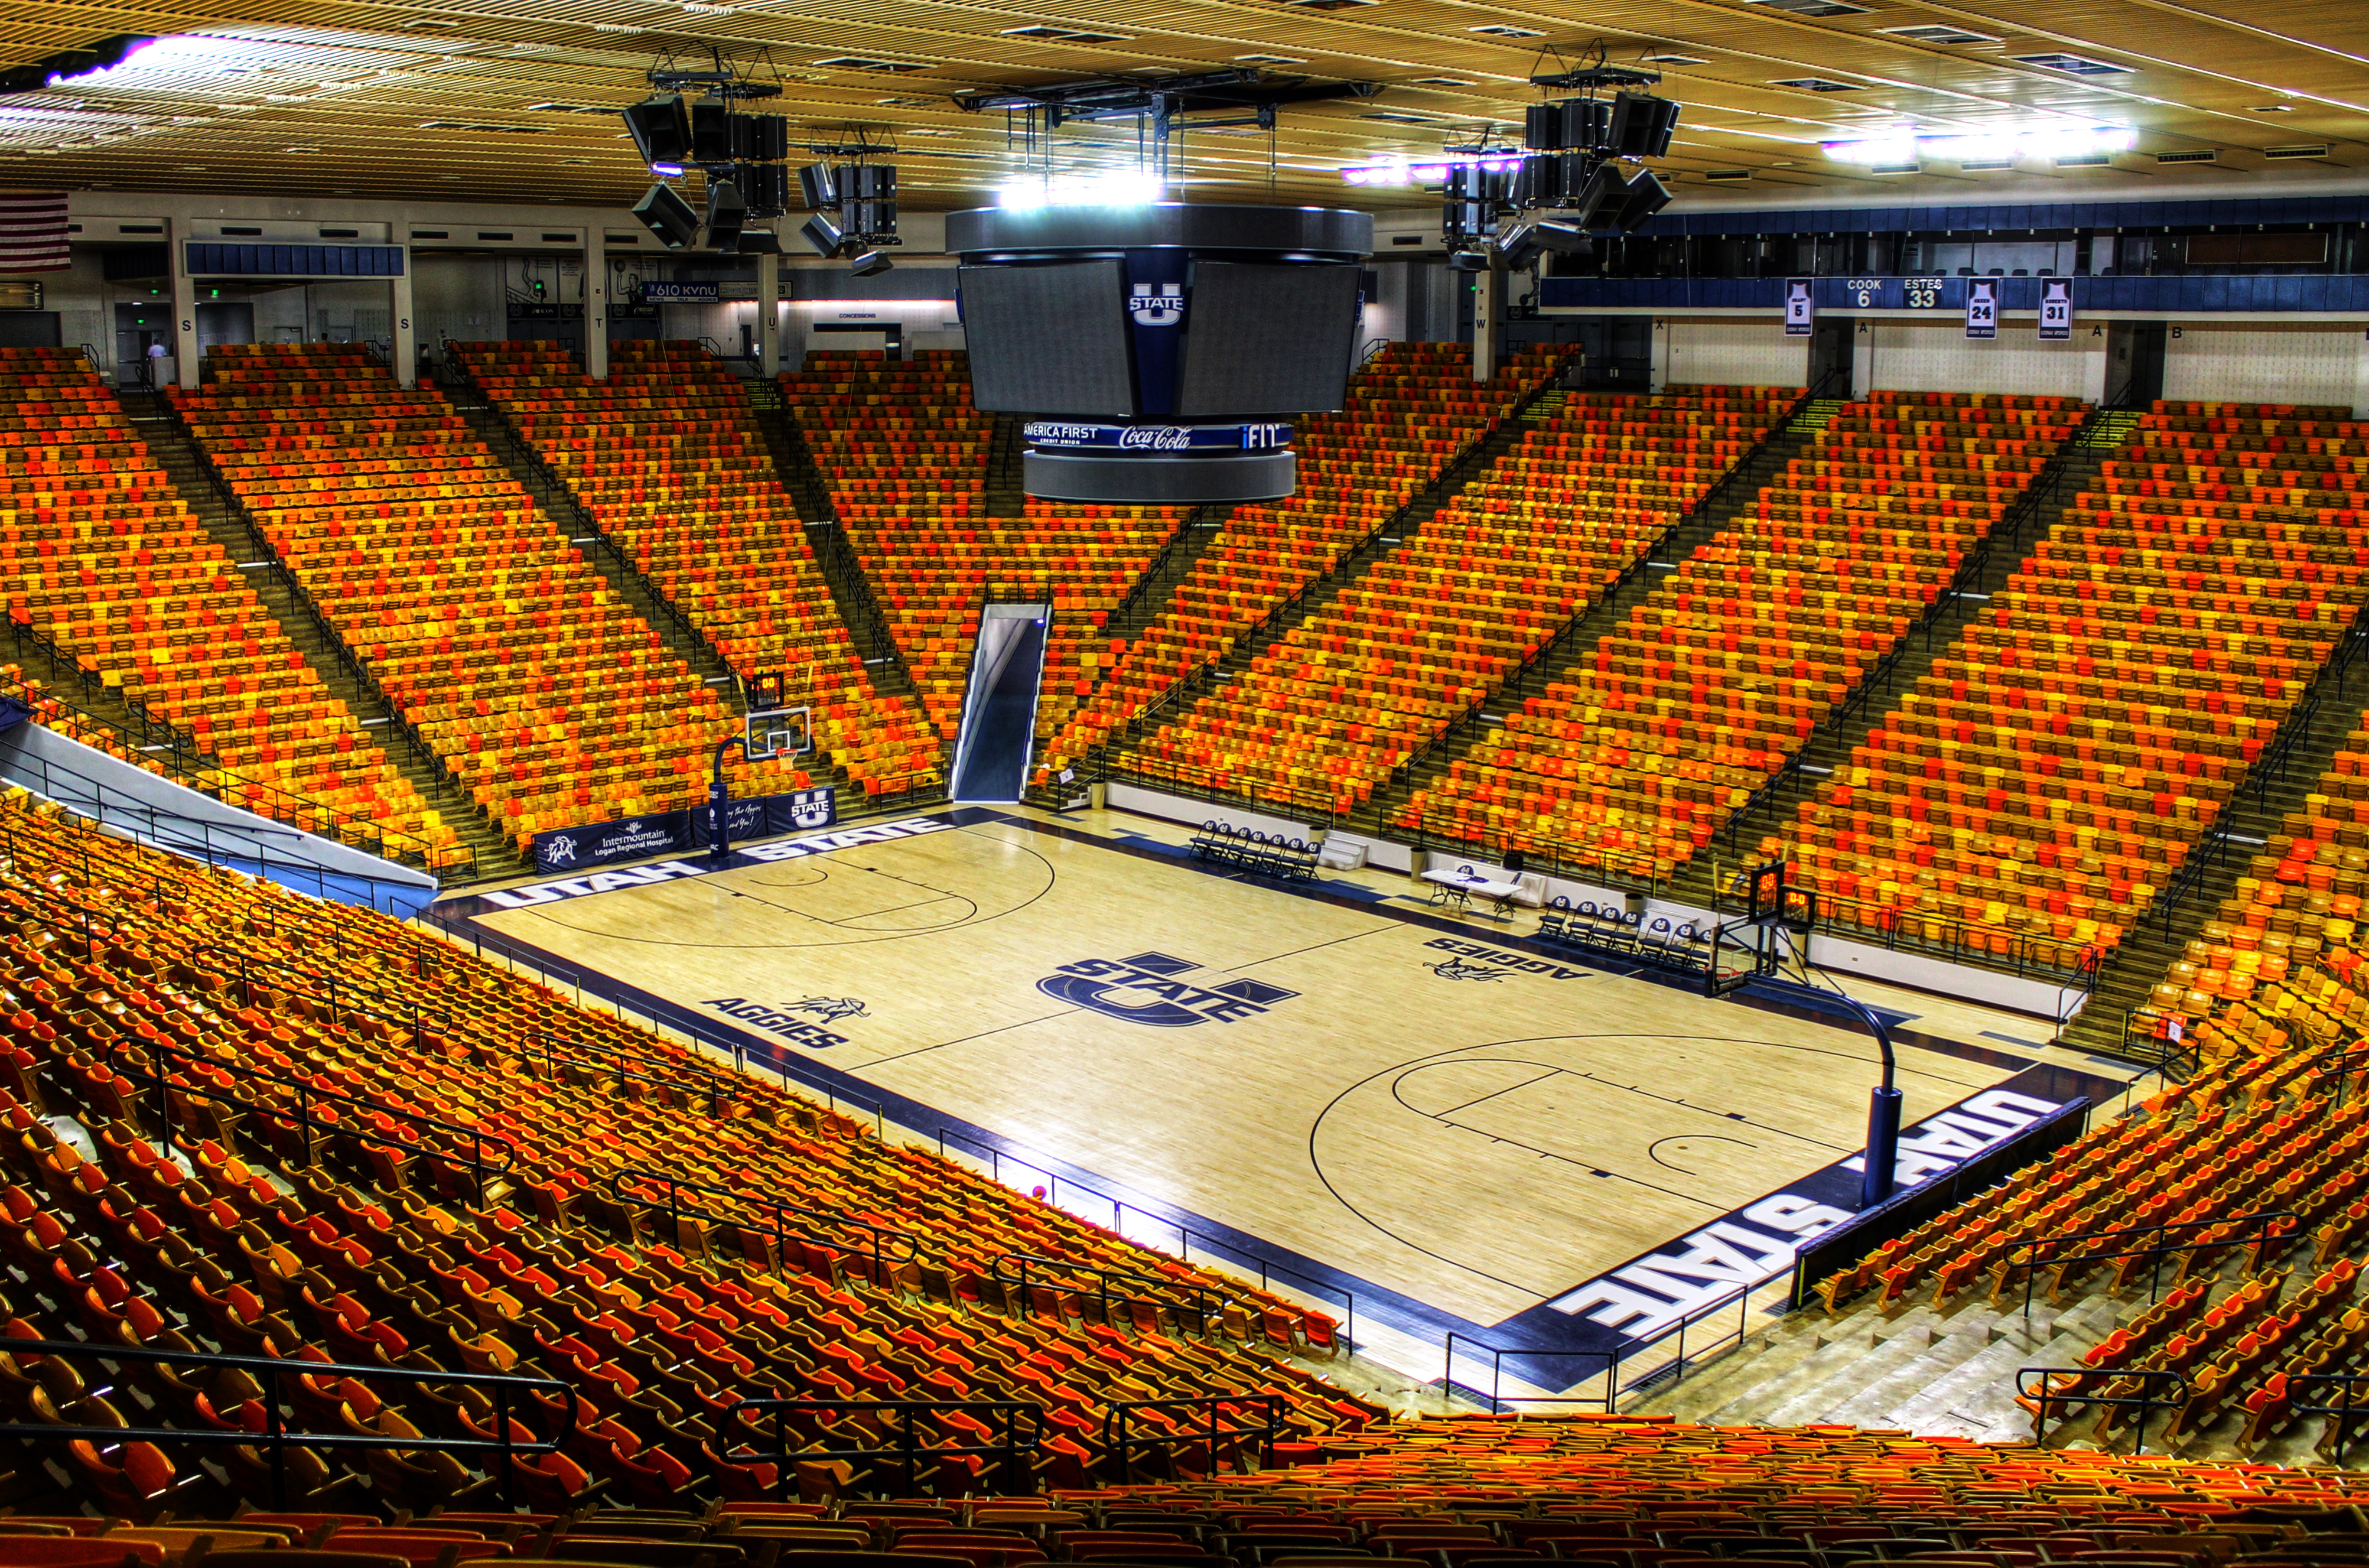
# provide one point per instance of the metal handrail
(1028, 1263)
(275, 1438)
(908, 1451)
(2341, 1064)
(708, 1085)
(1186, 1235)
(1890, 926)
(882, 1238)
(116, 1050)
(2146, 1400)
(247, 962)
(1497, 1398)
(2346, 1384)
(2266, 1221)
(1118, 1442)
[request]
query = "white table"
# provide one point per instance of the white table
(1463, 882)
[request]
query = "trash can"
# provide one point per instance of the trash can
(1098, 795)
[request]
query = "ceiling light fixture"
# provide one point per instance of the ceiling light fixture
(1111, 188)
(1428, 171)
(1904, 146)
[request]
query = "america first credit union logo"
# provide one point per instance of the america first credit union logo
(1145, 990)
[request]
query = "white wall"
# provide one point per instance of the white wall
(458, 297)
(1728, 353)
(2263, 364)
(1912, 356)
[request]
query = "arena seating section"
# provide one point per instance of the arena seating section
(551, 700)
(666, 457)
(1711, 685)
(381, 1249)
(102, 557)
(905, 457)
(1317, 719)
(2053, 769)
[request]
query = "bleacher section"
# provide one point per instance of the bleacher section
(100, 554)
(2053, 770)
(1708, 687)
(904, 455)
(1317, 719)
(552, 703)
(374, 1240)
(667, 456)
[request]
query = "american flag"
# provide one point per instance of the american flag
(32, 231)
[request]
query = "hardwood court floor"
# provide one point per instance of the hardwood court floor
(1477, 1132)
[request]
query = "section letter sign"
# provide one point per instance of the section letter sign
(1982, 307)
(1800, 308)
(2055, 309)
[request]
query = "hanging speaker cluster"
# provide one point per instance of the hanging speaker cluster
(855, 213)
(743, 155)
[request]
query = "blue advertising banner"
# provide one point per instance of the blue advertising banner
(677, 832)
(603, 843)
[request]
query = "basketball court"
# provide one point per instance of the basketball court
(1452, 1123)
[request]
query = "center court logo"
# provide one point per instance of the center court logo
(1145, 990)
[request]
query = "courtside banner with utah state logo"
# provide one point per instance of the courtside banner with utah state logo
(679, 832)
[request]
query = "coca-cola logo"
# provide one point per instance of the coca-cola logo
(1155, 438)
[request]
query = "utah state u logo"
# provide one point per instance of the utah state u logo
(1144, 989)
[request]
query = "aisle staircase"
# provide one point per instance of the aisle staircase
(1120, 752)
(1943, 1368)
(325, 651)
(842, 572)
(1004, 468)
(1985, 571)
(2269, 808)
(560, 509)
(1721, 507)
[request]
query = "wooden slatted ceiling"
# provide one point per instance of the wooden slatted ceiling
(359, 79)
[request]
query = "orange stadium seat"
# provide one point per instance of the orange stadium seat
(1328, 712)
(100, 554)
(551, 701)
(905, 456)
(666, 456)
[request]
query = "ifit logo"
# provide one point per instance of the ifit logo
(1145, 990)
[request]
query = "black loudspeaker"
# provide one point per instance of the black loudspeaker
(711, 131)
(1563, 239)
(874, 182)
(823, 235)
(758, 241)
(869, 263)
(1597, 203)
(661, 128)
(1543, 128)
(772, 137)
(1469, 261)
(1646, 195)
(765, 187)
(1460, 221)
(1641, 126)
(1519, 246)
(818, 184)
(872, 218)
(1583, 124)
(726, 210)
(743, 137)
(666, 215)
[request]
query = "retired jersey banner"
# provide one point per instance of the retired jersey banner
(2055, 309)
(1982, 307)
(33, 231)
(1801, 308)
